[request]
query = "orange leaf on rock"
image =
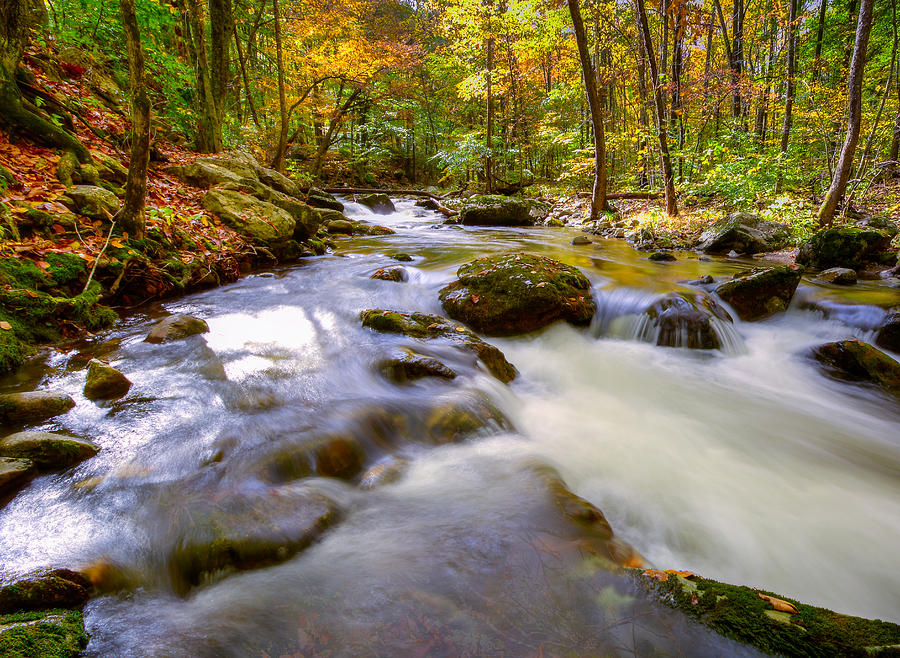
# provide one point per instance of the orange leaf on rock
(778, 604)
(6, 326)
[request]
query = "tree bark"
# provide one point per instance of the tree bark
(820, 33)
(790, 70)
(131, 216)
(854, 115)
(278, 162)
(598, 197)
(209, 127)
(659, 105)
(489, 120)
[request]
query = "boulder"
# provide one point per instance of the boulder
(205, 173)
(495, 210)
(517, 293)
(103, 382)
(388, 470)
(580, 240)
(858, 361)
(662, 256)
(255, 219)
(380, 204)
(844, 247)
(464, 415)
(109, 168)
(48, 451)
(340, 226)
(888, 336)
(306, 218)
(176, 327)
(409, 366)
(397, 274)
(334, 455)
(843, 276)
(91, 201)
(320, 199)
(239, 167)
(425, 326)
(43, 589)
(246, 530)
(401, 258)
(56, 633)
(33, 406)
(278, 181)
(744, 233)
(374, 229)
(879, 223)
(761, 292)
(676, 321)
(14, 474)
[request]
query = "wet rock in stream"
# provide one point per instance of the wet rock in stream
(176, 327)
(677, 320)
(14, 474)
(855, 360)
(48, 451)
(397, 274)
(745, 233)
(43, 589)
(33, 406)
(517, 293)
(888, 336)
(409, 366)
(761, 292)
(103, 382)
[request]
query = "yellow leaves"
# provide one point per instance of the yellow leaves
(663, 576)
(5, 326)
(779, 604)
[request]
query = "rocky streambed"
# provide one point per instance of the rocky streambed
(458, 440)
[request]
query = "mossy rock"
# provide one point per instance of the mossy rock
(842, 276)
(745, 233)
(14, 474)
(48, 451)
(103, 382)
(204, 174)
(277, 181)
(844, 247)
(888, 336)
(397, 274)
(677, 320)
(380, 204)
(48, 634)
(340, 226)
(43, 589)
(496, 210)
(245, 530)
(741, 614)
(463, 416)
(374, 229)
(426, 326)
(33, 406)
(91, 201)
(401, 258)
(320, 199)
(855, 360)
(761, 293)
(517, 293)
(252, 218)
(176, 327)
(409, 366)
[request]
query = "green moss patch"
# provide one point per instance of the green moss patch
(49, 634)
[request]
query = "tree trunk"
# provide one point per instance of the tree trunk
(598, 197)
(278, 162)
(854, 114)
(659, 104)
(790, 66)
(489, 121)
(737, 55)
(209, 127)
(131, 216)
(17, 18)
(820, 32)
(221, 23)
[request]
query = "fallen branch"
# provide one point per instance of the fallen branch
(372, 190)
(99, 256)
(623, 195)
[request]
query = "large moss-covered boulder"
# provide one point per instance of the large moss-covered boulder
(762, 292)
(427, 326)
(844, 247)
(15, 474)
(203, 174)
(517, 293)
(320, 199)
(676, 320)
(246, 530)
(50, 634)
(855, 360)
(245, 167)
(255, 219)
(33, 406)
(48, 451)
(744, 233)
(278, 181)
(43, 589)
(408, 365)
(176, 327)
(103, 382)
(496, 210)
(91, 201)
(888, 336)
(307, 219)
(380, 204)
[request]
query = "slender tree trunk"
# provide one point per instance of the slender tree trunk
(489, 119)
(790, 70)
(854, 114)
(131, 216)
(820, 33)
(737, 54)
(598, 194)
(278, 162)
(248, 92)
(659, 104)
(221, 23)
(209, 128)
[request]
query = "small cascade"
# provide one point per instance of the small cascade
(688, 320)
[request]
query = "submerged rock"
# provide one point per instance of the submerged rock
(426, 326)
(246, 530)
(388, 470)
(15, 474)
(56, 633)
(855, 360)
(33, 406)
(744, 233)
(397, 274)
(843, 276)
(176, 327)
(496, 210)
(517, 293)
(43, 589)
(380, 204)
(48, 451)
(580, 240)
(662, 256)
(464, 415)
(104, 382)
(343, 226)
(676, 321)
(888, 336)
(762, 292)
(844, 247)
(402, 258)
(411, 366)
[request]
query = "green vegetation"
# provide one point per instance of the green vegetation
(46, 633)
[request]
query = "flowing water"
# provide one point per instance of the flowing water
(743, 463)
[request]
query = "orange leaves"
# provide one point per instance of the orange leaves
(5, 326)
(663, 576)
(779, 604)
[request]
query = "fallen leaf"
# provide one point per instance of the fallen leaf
(778, 604)
(460, 329)
(542, 284)
(661, 576)
(6, 326)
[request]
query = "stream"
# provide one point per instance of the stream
(744, 464)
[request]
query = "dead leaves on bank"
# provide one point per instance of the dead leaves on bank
(663, 576)
(779, 604)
